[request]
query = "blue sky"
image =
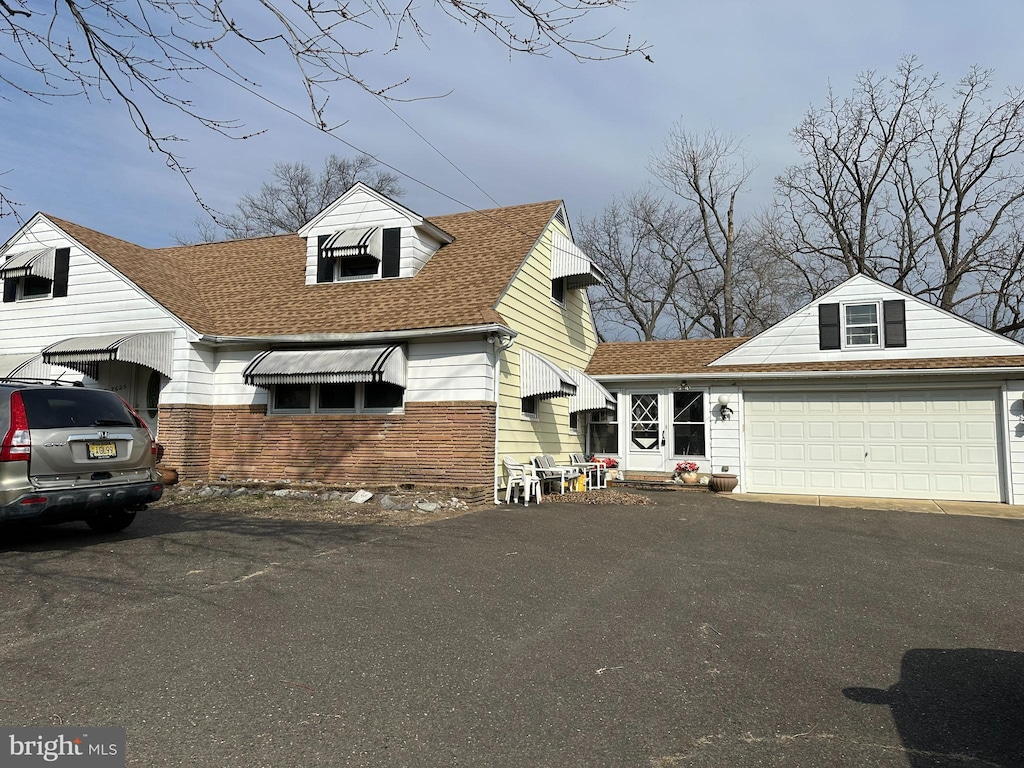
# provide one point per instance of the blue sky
(524, 129)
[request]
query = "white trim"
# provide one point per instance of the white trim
(844, 325)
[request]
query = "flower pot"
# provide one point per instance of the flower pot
(690, 478)
(167, 476)
(723, 483)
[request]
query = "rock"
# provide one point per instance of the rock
(390, 502)
(282, 492)
(427, 506)
(335, 496)
(240, 492)
(207, 492)
(361, 497)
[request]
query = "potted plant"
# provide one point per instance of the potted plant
(723, 482)
(687, 472)
(610, 465)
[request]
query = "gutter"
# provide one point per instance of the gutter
(788, 375)
(370, 336)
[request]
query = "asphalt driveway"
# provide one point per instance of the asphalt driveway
(699, 631)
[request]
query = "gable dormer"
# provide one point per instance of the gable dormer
(364, 235)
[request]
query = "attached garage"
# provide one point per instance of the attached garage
(928, 444)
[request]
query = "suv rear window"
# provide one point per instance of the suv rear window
(65, 408)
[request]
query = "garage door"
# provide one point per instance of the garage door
(938, 444)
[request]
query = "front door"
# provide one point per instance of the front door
(646, 439)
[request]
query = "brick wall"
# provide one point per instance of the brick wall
(185, 433)
(449, 443)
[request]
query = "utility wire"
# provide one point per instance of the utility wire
(348, 144)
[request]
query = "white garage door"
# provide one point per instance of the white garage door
(938, 444)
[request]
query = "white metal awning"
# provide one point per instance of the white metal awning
(27, 366)
(38, 263)
(351, 243)
(348, 365)
(153, 350)
(539, 377)
(590, 395)
(568, 261)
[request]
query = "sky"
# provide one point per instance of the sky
(523, 128)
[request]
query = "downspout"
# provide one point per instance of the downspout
(500, 344)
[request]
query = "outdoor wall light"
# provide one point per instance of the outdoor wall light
(723, 406)
(683, 386)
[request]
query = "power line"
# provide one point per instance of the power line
(349, 144)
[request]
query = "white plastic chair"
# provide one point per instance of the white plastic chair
(522, 477)
(554, 473)
(597, 473)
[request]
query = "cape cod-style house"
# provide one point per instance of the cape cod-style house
(372, 346)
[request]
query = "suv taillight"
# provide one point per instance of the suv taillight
(17, 445)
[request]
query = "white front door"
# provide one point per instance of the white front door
(926, 444)
(646, 433)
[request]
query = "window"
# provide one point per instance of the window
(359, 254)
(529, 407)
(32, 287)
(558, 290)
(574, 421)
(861, 325)
(378, 397)
(603, 431)
(688, 428)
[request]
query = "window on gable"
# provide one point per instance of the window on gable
(558, 290)
(36, 274)
(861, 325)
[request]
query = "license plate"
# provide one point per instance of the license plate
(102, 451)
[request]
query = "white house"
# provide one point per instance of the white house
(865, 392)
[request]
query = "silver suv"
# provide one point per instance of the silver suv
(72, 453)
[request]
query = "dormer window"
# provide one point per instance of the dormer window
(359, 254)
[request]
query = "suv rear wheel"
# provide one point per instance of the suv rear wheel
(111, 521)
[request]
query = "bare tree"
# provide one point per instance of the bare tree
(707, 171)
(146, 54)
(641, 243)
(295, 195)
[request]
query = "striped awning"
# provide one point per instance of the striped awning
(347, 365)
(568, 261)
(590, 394)
(28, 366)
(539, 377)
(351, 243)
(81, 353)
(37, 263)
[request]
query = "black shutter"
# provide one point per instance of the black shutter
(10, 289)
(895, 316)
(61, 263)
(324, 265)
(391, 252)
(828, 326)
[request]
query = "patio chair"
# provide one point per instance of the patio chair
(550, 472)
(523, 478)
(596, 472)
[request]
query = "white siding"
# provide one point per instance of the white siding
(228, 386)
(450, 371)
(1015, 427)
(931, 332)
(724, 443)
(360, 210)
(99, 301)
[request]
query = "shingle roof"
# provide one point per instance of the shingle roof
(693, 356)
(256, 287)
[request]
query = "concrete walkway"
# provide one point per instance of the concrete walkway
(937, 507)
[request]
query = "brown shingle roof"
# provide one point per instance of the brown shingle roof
(694, 355)
(256, 287)
(620, 358)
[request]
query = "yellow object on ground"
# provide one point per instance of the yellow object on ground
(581, 483)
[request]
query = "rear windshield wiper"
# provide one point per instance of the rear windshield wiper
(112, 423)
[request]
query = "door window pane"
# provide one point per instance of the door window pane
(645, 428)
